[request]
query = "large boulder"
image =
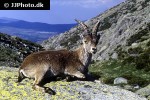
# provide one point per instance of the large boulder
(120, 80)
(144, 91)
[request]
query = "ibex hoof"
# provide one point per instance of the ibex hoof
(44, 89)
(49, 91)
(79, 75)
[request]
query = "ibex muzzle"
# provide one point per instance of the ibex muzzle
(58, 62)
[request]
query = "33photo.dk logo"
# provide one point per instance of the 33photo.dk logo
(6, 5)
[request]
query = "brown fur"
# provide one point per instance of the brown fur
(57, 61)
(74, 63)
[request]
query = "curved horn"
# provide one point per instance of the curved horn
(95, 28)
(82, 24)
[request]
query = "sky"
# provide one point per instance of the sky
(63, 11)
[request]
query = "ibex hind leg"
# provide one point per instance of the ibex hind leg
(39, 85)
(21, 76)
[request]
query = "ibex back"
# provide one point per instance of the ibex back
(58, 62)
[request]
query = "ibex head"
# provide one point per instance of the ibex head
(90, 39)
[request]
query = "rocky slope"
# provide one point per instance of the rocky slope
(14, 50)
(121, 26)
(77, 90)
(124, 46)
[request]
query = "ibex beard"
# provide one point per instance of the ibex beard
(60, 62)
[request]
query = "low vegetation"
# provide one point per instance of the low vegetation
(7, 55)
(14, 50)
(140, 36)
(109, 70)
(133, 63)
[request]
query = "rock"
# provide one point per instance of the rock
(136, 86)
(120, 80)
(139, 8)
(14, 37)
(144, 91)
(128, 87)
(134, 45)
(103, 48)
(114, 56)
(131, 87)
(148, 97)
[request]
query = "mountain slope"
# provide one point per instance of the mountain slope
(34, 25)
(14, 50)
(118, 25)
(33, 31)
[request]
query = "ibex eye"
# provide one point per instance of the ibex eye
(85, 41)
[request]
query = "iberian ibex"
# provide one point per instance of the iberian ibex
(57, 62)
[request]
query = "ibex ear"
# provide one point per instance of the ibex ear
(82, 24)
(95, 28)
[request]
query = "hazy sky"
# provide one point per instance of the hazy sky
(63, 11)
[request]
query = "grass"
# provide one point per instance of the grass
(109, 70)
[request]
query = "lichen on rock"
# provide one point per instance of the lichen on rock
(76, 90)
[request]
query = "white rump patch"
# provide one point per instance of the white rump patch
(22, 71)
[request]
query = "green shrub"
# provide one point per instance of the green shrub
(148, 43)
(109, 70)
(138, 36)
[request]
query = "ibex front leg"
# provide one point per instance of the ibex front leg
(78, 74)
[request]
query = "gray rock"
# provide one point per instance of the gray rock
(131, 87)
(97, 91)
(139, 8)
(144, 91)
(134, 45)
(148, 97)
(128, 87)
(136, 86)
(114, 56)
(120, 80)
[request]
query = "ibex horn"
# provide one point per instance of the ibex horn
(95, 28)
(81, 23)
